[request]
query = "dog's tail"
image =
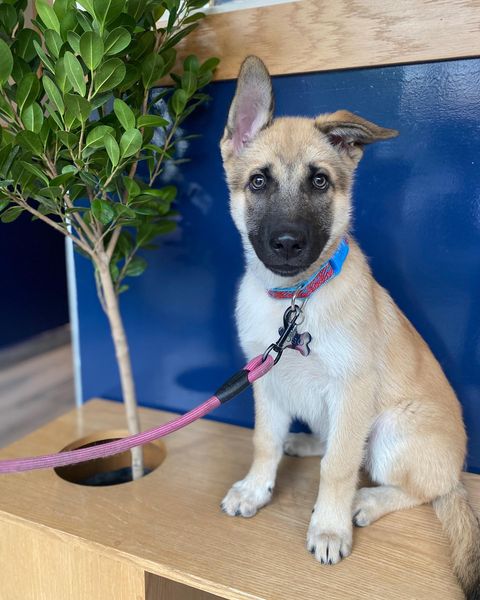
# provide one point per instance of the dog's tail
(463, 531)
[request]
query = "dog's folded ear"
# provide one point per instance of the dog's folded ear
(252, 107)
(350, 133)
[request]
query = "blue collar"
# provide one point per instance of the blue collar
(327, 271)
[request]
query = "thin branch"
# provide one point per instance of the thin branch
(113, 241)
(168, 139)
(24, 204)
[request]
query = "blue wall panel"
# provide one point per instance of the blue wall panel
(33, 294)
(417, 205)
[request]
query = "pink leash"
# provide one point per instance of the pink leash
(255, 369)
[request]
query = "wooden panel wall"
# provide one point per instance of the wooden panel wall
(318, 35)
(47, 565)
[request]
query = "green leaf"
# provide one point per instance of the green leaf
(179, 101)
(68, 139)
(4, 203)
(152, 121)
(143, 44)
(91, 49)
(20, 69)
(84, 21)
(150, 231)
(197, 3)
(152, 70)
(77, 106)
(53, 116)
(68, 22)
(53, 94)
(107, 10)
(4, 155)
(132, 76)
(198, 16)
(124, 114)
(102, 210)
(61, 76)
(6, 62)
(88, 6)
(23, 46)
(60, 179)
(75, 74)
(130, 142)
(27, 91)
(191, 63)
(11, 214)
(209, 65)
(74, 41)
(132, 187)
(69, 169)
(98, 101)
(96, 136)
(34, 170)
(8, 17)
(124, 212)
(136, 266)
(47, 14)
(117, 40)
(54, 42)
(112, 149)
(63, 8)
(189, 83)
(32, 117)
(173, 41)
(8, 158)
(43, 57)
(167, 193)
(136, 8)
(169, 57)
(109, 75)
(51, 192)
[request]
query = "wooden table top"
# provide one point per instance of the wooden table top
(170, 523)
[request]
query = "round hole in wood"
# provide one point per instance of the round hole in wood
(112, 470)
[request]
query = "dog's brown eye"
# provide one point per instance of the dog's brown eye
(320, 181)
(257, 182)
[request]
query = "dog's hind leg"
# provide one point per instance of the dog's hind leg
(372, 503)
(304, 444)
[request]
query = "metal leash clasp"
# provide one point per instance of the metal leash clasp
(292, 317)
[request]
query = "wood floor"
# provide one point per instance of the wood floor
(33, 391)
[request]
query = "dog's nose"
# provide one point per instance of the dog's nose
(288, 244)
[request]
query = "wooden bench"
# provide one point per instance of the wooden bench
(165, 538)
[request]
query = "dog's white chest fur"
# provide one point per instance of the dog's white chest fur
(299, 384)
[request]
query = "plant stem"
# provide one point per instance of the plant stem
(122, 353)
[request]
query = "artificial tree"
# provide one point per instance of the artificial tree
(81, 110)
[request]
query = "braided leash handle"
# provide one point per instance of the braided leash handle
(255, 369)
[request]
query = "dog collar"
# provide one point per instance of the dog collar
(327, 271)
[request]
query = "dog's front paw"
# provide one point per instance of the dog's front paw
(245, 498)
(328, 546)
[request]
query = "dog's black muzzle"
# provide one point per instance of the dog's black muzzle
(289, 247)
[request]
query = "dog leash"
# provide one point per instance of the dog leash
(240, 381)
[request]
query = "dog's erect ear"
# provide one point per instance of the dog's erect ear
(350, 133)
(252, 106)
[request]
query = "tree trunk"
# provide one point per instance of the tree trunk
(123, 360)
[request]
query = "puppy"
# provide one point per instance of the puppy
(371, 391)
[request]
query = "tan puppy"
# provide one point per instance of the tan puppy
(371, 390)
